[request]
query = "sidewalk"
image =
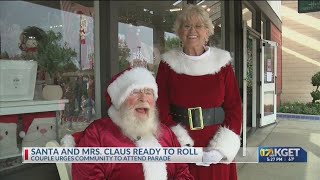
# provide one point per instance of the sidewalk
(286, 132)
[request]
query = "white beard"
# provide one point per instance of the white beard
(135, 128)
(147, 129)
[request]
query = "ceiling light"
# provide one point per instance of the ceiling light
(200, 2)
(177, 2)
(175, 9)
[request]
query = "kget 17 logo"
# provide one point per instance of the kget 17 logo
(282, 154)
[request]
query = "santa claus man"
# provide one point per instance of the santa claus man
(133, 122)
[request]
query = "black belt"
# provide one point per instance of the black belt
(197, 118)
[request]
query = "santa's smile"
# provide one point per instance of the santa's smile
(142, 110)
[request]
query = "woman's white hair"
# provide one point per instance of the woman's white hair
(193, 11)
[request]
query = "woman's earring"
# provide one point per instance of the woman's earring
(206, 42)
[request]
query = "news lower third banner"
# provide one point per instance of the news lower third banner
(111, 155)
(156, 154)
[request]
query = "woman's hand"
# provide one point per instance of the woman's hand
(212, 157)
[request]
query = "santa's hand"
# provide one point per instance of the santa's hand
(212, 157)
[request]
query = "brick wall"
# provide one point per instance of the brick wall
(300, 52)
(277, 37)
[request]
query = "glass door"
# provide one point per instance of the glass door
(268, 82)
(250, 41)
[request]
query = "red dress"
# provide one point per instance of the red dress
(105, 133)
(207, 81)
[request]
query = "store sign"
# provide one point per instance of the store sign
(305, 6)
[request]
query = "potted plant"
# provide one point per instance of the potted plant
(315, 81)
(53, 57)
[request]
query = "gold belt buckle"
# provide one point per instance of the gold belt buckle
(199, 109)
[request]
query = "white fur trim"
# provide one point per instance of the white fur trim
(208, 63)
(135, 78)
(227, 142)
(182, 135)
(152, 170)
(67, 141)
(114, 114)
(22, 134)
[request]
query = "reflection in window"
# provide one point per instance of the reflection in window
(171, 41)
(59, 35)
(250, 49)
(268, 103)
(135, 43)
(145, 32)
(146, 28)
(268, 63)
(214, 10)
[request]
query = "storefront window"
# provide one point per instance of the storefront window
(145, 30)
(214, 9)
(59, 35)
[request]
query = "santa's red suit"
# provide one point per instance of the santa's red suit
(205, 81)
(106, 132)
